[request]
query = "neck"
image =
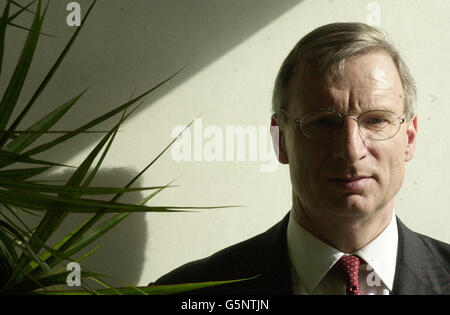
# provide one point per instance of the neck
(345, 233)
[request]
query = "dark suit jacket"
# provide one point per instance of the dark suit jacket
(423, 265)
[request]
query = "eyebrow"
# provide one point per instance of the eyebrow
(382, 105)
(363, 110)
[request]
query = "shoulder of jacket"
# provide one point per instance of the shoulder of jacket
(439, 249)
(224, 264)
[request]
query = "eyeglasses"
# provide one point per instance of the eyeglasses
(326, 124)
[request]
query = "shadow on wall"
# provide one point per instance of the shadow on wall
(131, 44)
(122, 253)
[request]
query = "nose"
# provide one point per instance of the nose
(350, 145)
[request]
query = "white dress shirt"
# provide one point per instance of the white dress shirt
(311, 260)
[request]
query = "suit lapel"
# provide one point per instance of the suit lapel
(416, 270)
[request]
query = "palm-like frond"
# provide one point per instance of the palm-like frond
(27, 262)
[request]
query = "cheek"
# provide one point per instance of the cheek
(397, 170)
(305, 164)
(390, 162)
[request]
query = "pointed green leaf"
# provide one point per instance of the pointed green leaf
(27, 249)
(14, 212)
(22, 174)
(91, 236)
(28, 286)
(153, 289)
(154, 160)
(85, 255)
(53, 219)
(16, 83)
(87, 225)
(91, 176)
(21, 6)
(94, 122)
(15, 15)
(35, 263)
(113, 221)
(51, 204)
(56, 189)
(20, 132)
(3, 23)
(52, 260)
(48, 121)
(47, 256)
(94, 234)
(10, 158)
(22, 9)
(7, 248)
(146, 199)
(75, 242)
(77, 233)
(29, 30)
(83, 169)
(55, 212)
(115, 292)
(47, 78)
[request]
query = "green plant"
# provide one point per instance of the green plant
(27, 263)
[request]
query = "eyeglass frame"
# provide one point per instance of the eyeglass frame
(298, 121)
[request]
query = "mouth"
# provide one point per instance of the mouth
(351, 183)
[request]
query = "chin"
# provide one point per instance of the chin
(352, 206)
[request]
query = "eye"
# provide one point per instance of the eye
(324, 121)
(375, 121)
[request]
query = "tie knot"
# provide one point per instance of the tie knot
(348, 267)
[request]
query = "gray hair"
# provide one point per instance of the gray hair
(325, 50)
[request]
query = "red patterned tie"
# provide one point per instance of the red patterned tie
(348, 267)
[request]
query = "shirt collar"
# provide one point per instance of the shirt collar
(312, 258)
(381, 253)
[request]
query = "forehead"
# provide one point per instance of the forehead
(369, 81)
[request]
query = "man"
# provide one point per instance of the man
(344, 121)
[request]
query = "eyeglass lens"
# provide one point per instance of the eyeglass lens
(376, 124)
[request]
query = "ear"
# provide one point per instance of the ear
(278, 140)
(411, 133)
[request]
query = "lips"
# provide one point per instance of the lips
(351, 182)
(350, 178)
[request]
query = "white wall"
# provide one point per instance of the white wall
(232, 52)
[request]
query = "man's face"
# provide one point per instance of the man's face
(348, 175)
